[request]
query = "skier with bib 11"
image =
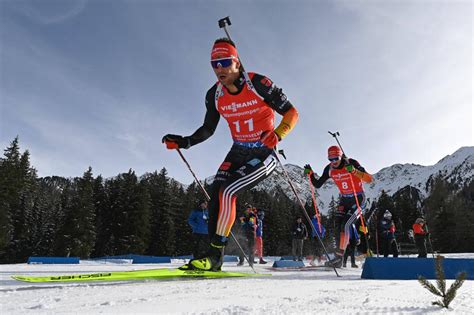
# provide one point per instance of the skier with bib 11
(247, 101)
(348, 175)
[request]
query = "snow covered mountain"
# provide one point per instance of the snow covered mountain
(457, 167)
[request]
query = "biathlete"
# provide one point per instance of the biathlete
(348, 175)
(248, 102)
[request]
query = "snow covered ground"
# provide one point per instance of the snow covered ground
(285, 292)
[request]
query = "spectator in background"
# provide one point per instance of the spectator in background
(387, 228)
(248, 224)
(300, 233)
(259, 236)
(354, 240)
(321, 231)
(198, 221)
(420, 237)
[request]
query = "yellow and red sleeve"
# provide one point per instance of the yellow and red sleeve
(363, 176)
(287, 123)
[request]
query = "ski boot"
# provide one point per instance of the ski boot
(211, 262)
(335, 262)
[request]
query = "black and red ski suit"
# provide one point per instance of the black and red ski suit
(249, 112)
(347, 212)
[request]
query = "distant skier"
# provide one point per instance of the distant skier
(341, 170)
(247, 101)
(420, 237)
(387, 228)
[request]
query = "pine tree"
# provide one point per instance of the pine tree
(187, 201)
(103, 221)
(85, 210)
(446, 296)
(440, 222)
(279, 222)
(158, 187)
(407, 203)
(17, 191)
(130, 207)
(47, 215)
(463, 210)
(77, 233)
(331, 224)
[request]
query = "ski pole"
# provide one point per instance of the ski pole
(335, 134)
(208, 199)
(377, 235)
(427, 231)
(313, 196)
(359, 209)
(222, 24)
(194, 175)
(288, 179)
(429, 240)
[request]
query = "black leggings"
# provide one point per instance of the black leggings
(242, 169)
(389, 245)
(347, 215)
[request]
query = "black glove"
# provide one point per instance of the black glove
(176, 141)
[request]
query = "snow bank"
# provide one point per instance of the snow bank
(285, 292)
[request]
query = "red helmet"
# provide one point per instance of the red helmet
(334, 152)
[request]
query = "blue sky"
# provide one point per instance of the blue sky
(100, 82)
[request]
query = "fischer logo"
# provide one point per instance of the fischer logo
(95, 275)
(235, 106)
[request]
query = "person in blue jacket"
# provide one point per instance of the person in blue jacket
(354, 240)
(387, 227)
(259, 236)
(248, 225)
(321, 231)
(198, 220)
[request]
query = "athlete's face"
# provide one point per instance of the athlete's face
(227, 75)
(335, 162)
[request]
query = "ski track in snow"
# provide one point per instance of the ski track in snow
(285, 292)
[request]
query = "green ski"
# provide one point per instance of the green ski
(152, 274)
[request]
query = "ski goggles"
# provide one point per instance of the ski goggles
(222, 62)
(334, 159)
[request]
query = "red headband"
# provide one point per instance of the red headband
(223, 50)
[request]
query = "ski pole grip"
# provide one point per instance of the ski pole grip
(224, 21)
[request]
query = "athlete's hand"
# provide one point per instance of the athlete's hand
(350, 168)
(175, 142)
(308, 170)
(269, 139)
